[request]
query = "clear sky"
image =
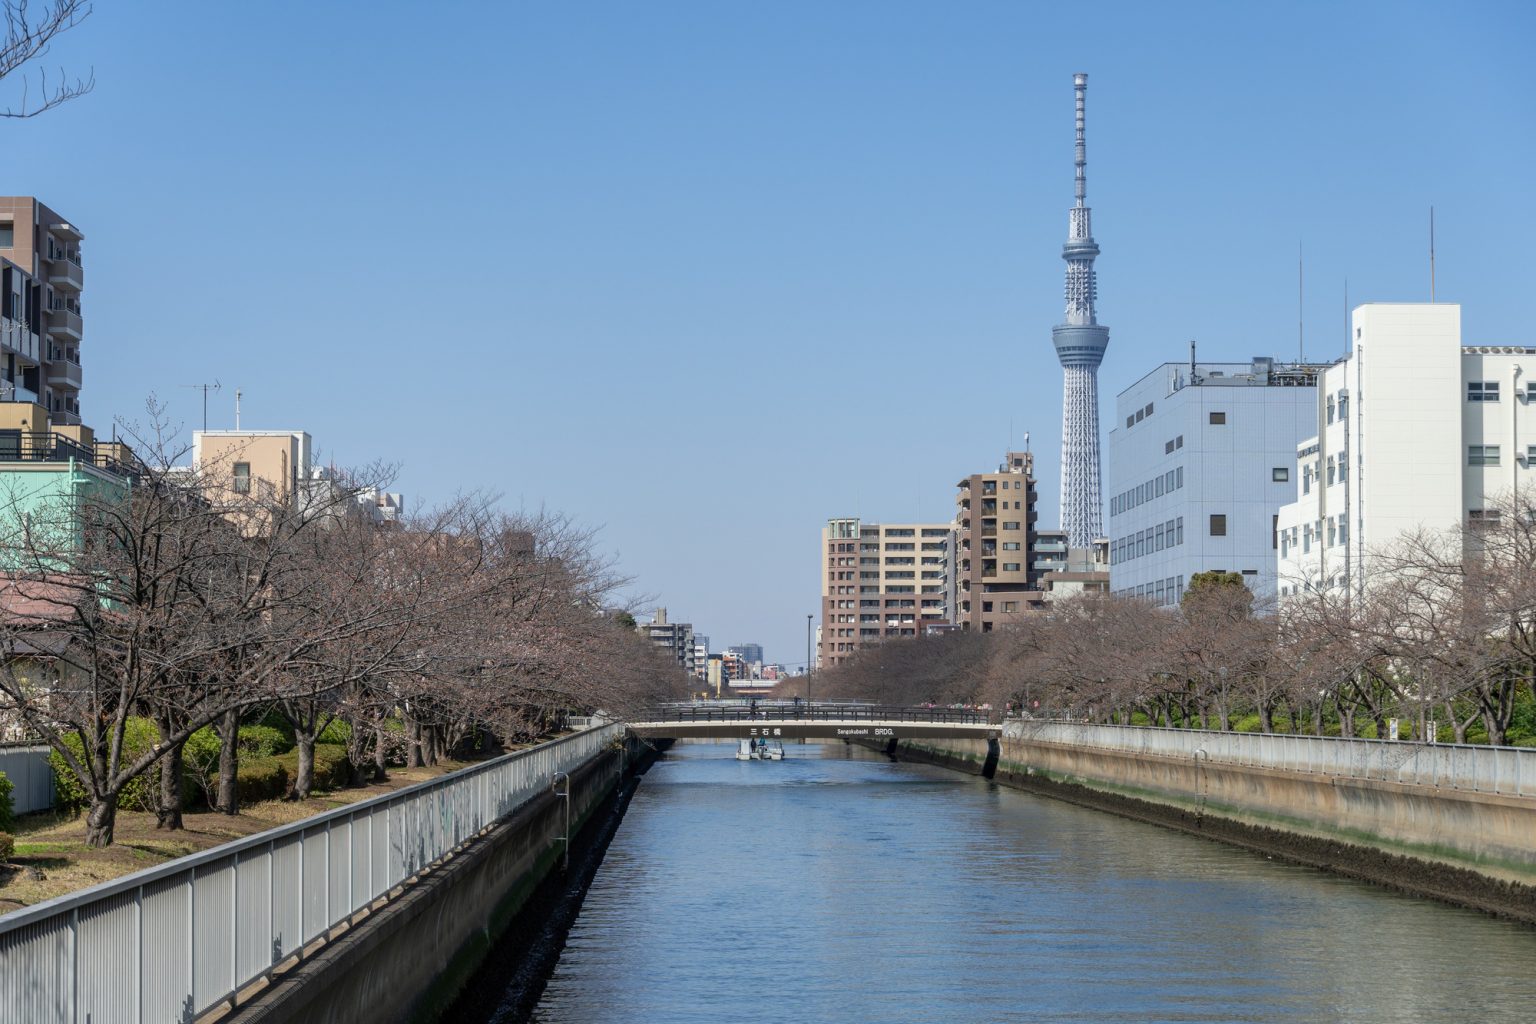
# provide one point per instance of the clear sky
(705, 274)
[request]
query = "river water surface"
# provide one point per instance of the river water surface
(837, 886)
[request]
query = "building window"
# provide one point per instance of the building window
(1218, 525)
(1168, 448)
(1482, 455)
(242, 478)
(1480, 518)
(1482, 391)
(1010, 526)
(1010, 545)
(7, 234)
(1343, 406)
(1343, 468)
(1530, 455)
(1306, 479)
(1010, 567)
(1332, 471)
(1280, 474)
(1330, 408)
(1218, 418)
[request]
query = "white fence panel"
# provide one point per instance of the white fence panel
(175, 941)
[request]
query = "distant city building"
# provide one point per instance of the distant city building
(750, 653)
(700, 657)
(1083, 571)
(674, 638)
(880, 581)
(40, 311)
(1200, 461)
(997, 579)
(1412, 430)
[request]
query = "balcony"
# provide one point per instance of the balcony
(46, 446)
(62, 373)
(64, 322)
(989, 531)
(64, 271)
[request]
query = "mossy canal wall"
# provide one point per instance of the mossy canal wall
(1472, 849)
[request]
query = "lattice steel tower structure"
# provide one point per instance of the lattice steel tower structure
(1080, 343)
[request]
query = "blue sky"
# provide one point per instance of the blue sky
(705, 274)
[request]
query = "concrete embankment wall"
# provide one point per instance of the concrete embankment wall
(1474, 849)
(406, 961)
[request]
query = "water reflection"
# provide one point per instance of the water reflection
(837, 886)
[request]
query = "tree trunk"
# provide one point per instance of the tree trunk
(380, 769)
(101, 821)
(304, 778)
(1266, 717)
(168, 811)
(228, 801)
(413, 758)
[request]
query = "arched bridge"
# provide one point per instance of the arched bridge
(804, 720)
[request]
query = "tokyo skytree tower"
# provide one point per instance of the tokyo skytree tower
(1080, 343)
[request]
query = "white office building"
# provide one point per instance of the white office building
(1200, 461)
(1413, 431)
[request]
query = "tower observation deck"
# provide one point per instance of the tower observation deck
(1080, 342)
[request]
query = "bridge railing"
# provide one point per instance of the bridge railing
(787, 712)
(1480, 769)
(175, 941)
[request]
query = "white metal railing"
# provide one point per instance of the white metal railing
(175, 941)
(1509, 771)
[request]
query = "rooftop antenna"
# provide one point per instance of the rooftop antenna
(1431, 254)
(1301, 337)
(205, 388)
(237, 408)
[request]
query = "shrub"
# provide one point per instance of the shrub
(7, 847)
(264, 741)
(140, 794)
(7, 808)
(261, 778)
(332, 769)
(200, 764)
(338, 731)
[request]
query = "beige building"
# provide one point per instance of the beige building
(276, 467)
(997, 579)
(40, 326)
(880, 581)
(264, 465)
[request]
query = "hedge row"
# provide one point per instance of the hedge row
(268, 765)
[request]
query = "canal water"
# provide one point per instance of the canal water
(837, 886)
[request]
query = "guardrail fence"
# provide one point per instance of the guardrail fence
(1482, 769)
(168, 944)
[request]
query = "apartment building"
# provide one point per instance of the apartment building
(880, 581)
(675, 639)
(1412, 430)
(40, 324)
(997, 579)
(1200, 461)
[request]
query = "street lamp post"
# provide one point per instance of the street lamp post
(808, 620)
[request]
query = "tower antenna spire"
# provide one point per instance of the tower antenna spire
(1080, 341)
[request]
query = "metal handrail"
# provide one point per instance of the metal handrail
(187, 936)
(1505, 771)
(786, 712)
